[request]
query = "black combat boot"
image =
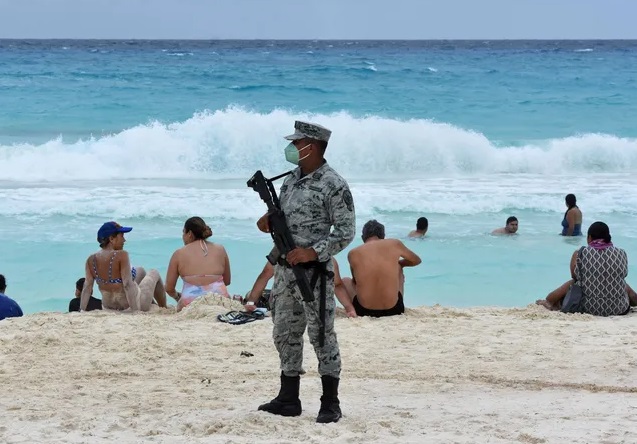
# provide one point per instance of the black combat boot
(330, 406)
(287, 403)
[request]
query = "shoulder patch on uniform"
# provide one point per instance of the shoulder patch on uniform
(348, 199)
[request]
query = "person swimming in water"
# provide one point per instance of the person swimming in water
(511, 226)
(572, 222)
(123, 287)
(203, 266)
(422, 224)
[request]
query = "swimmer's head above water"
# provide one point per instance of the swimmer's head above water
(511, 225)
(422, 224)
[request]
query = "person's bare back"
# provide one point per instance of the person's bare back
(202, 262)
(203, 266)
(377, 271)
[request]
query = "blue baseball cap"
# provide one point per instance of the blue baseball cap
(108, 229)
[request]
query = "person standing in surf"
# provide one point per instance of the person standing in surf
(572, 222)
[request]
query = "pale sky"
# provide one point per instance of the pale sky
(319, 19)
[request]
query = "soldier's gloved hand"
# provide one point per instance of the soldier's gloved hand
(264, 223)
(301, 255)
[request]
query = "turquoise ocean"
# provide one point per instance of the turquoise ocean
(466, 133)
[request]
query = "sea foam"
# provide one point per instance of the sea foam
(234, 142)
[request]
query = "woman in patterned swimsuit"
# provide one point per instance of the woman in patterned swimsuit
(604, 268)
(123, 287)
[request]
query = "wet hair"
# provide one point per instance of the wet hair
(3, 283)
(599, 230)
(80, 284)
(422, 223)
(198, 228)
(571, 202)
(373, 228)
(511, 219)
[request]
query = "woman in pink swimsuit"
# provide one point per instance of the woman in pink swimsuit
(203, 266)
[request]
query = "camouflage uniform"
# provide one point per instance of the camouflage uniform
(312, 205)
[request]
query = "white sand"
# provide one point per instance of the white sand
(433, 375)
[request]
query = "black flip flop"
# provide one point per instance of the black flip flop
(240, 317)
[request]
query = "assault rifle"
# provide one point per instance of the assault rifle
(284, 243)
(279, 231)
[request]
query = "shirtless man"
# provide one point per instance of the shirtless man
(268, 272)
(511, 227)
(377, 269)
(422, 224)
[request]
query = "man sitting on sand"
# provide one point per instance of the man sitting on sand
(377, 284)
(422, 224)
(268, 272)
(8, 307)
(511, 227)
(93, 303)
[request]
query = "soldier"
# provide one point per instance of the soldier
(319, 210)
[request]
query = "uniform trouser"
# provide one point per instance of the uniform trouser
(291, 315)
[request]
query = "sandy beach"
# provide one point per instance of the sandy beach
(433, 375)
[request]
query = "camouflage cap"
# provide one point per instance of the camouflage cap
(309, 130)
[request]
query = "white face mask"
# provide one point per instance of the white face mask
(292, 154)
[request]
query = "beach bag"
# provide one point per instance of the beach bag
(574, 300)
